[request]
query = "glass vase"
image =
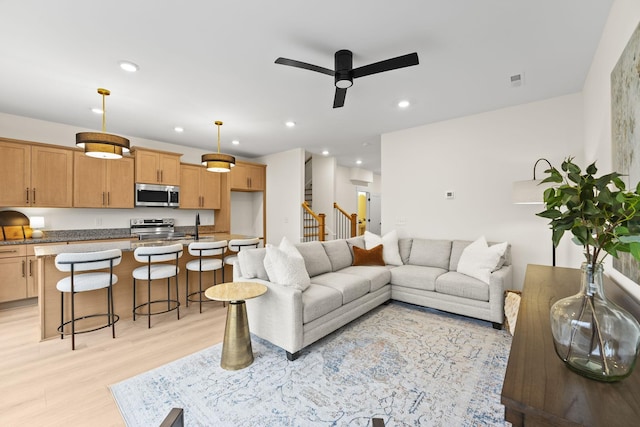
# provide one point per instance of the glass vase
(592, 335)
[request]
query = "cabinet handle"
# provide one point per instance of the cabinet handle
(108, 198)
(8, 251)
(157, 175)
(161, 176)
(103, 198)
(27, 191)
(30, 268)
(24, 265)
(34, 196)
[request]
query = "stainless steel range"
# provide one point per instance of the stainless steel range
(155, 229)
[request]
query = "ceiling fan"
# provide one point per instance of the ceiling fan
(344, 72)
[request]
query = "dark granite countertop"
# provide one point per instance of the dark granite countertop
(59, 236)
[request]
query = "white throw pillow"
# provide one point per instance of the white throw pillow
(285, 266)
(479, 259)
(389, 242)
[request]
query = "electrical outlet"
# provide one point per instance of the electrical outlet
(98, 222)
(449, 195)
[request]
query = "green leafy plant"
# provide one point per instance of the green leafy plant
(601, 214)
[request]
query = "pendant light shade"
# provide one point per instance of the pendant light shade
(101, 144)
(218, 162)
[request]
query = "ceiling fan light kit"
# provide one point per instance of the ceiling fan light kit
(218, 162)
(344, 73)
(102, 145)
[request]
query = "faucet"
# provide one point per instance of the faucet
(197, 225)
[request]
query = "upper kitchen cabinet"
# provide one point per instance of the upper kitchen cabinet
(102, 183)
(200, 188)
(248, 177)
(35, 175)
(157, 167)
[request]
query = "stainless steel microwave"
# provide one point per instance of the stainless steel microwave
(157, 195)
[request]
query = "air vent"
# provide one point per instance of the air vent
(516, 80)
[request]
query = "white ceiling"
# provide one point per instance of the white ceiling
(202, 61)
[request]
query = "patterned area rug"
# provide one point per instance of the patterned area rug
(408, 365)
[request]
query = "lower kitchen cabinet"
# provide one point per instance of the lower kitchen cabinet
(17, 273)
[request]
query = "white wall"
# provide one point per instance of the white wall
(324, 189)
(479, 157)
(285, 194)
(347, 192)
(623, 20)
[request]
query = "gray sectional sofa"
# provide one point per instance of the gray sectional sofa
(340, 292)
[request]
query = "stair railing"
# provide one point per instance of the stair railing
(345, 223)
(313, 224)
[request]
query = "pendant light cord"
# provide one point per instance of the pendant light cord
(104, 115)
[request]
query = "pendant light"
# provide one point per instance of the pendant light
(101, 144)
(218, 162)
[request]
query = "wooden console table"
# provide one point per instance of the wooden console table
(538, 389)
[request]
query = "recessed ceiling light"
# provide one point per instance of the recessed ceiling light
(325, 153)
(290, 124)
(178, 129)
(403, 104)
(97, 110)
(358, 162)
(129, 66)
(235, 142)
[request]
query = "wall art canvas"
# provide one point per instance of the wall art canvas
(625, 126)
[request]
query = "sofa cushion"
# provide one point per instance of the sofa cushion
(479, 259)
(339, 254)
(251, 263)
(430, 253)
(404, 245)
(284, 266)
(368, 257)
(389, 241)
(458, 246)
(461, 285)
(378, 276)
(319, 300)
(350, 286)
(418, 277)
(315, 258)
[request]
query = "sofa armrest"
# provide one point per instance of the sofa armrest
(276, 315)
(499, 281)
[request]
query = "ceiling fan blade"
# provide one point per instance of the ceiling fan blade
(338, 99)
(386, 65)
(298, 64)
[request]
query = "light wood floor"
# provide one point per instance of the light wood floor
(47, 384)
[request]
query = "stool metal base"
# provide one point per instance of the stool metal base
(236, 347)
(108, 324)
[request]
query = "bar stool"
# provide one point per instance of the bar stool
(236, 245)
(75, 283)
(205, 251)
(151, 271)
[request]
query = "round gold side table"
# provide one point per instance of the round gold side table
(236, 345)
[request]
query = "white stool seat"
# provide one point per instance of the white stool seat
(207, 264)
(158, 271)
(206, 253)
(160, 262)
(74, 263)
(230, 259)
(236, 245)
(87, 282)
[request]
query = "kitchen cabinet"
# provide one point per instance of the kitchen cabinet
(102, 183)
(248, 177)
(200, 189)
(35, 175)
(157, 167)
(17, 273)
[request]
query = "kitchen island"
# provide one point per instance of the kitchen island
(93, 302)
